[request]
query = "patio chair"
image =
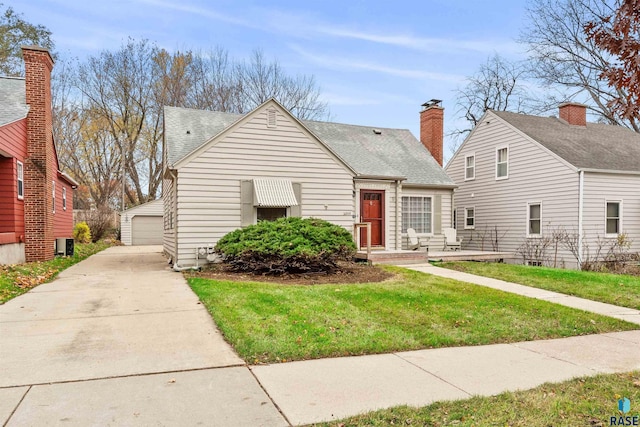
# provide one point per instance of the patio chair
(415, 242)
(451, 241)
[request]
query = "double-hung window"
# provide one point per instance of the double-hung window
(613, 217)
(417, 213)
(502, 163)
(20, 179)
(53, 195)
(64, 198)
(534, 219)
(470, 167)
(469, 218)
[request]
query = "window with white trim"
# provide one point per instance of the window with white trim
(469, 218)
(534, 219)
(502, 163)
(64, 198)
(53, 195)
(613, 220)
(470, 167)
(20, 179)
(417, 213)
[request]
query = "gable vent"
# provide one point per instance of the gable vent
(272, 118)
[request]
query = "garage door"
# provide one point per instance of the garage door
(146, 230)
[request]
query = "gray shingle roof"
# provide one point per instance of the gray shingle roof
(391, 153)
(13, 104)
(596, 146)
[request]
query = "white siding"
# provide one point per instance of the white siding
(600, 188)
(535, 175)
(208, 186)
(154, 208)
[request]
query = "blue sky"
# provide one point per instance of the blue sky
(375, 61)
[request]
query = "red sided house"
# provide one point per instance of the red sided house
(36, 200)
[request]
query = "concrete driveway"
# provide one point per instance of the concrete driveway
(120, 327)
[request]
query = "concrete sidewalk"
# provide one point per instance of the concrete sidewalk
(622, 313)
(329, 389)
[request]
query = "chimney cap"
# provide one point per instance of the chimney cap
(432, 103)
(38, 49)
(571, 104)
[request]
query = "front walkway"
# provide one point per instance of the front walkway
(622, 313)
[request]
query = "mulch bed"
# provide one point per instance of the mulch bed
(348, 273)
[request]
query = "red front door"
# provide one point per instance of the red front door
(372, 210)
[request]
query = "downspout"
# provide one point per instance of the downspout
(580, 213)
(398, 236)
(174, 183)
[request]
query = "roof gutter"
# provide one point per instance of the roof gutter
(70, 180)
(611, 171)
(445, 186)
(381, 177)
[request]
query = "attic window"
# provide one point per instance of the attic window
(272, 118)
(377, 131)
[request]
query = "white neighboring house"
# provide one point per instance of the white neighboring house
(142, 224)
(224, 171)
(527, 176)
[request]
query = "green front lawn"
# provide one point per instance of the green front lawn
(580, 402)
(17, 279)
(614, 289)
(268, 322)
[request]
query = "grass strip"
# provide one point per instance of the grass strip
(609, 288)
(590, 401)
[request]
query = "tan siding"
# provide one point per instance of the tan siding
(599, 188)
(535, 175)
(446, 212)
(209, 185)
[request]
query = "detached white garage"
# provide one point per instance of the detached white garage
(142, 225)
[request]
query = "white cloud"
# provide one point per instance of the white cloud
(422, 43)
(182, 6)
(339, 63)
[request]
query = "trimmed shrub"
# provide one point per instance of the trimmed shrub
(287, 245)
(82, 233)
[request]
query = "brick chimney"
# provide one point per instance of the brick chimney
(38, 167)
(573, 113)
(432, 128)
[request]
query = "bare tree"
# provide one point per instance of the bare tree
(85, 148)
(109, 110)
(14, 32)
(260, 80)
(119, 88)
(498, 85)
(566, 61)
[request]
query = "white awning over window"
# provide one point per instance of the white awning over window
(273, 193)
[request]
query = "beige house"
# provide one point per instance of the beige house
(522, 177)
(224, 171)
